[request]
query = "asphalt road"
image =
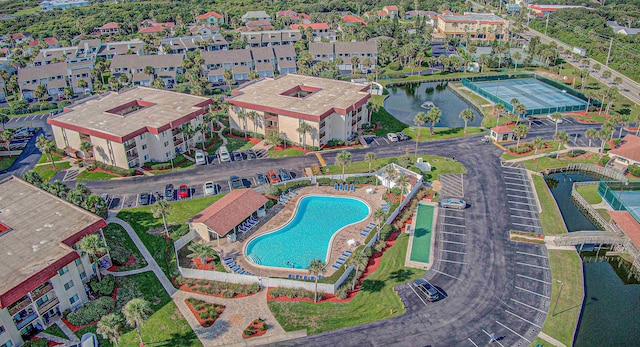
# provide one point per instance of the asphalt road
(30, 155)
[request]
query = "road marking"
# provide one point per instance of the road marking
(531, 254)
(533, 279)
(456, 252)
(519, 190)
(453, 261)
(506, 327)
(456, 217)
(523, 217)
(456, 243)
(527, 225)
(446, 274)
(419, 297)
(468, 338)
(494, 339)
(453, 225)
(529, 306)
(520, 209)
(538, 266)
(530, 322)
(520, 196)
(450, 233)
(534, 293)
(521, 203)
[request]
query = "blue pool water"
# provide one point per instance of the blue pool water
(306, 237)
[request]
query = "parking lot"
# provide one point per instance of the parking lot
(523, 208)
(36, 117)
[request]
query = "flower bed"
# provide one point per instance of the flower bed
(257, 328)
(205, 312)
(97, 169)
(115, 268)
(217, 289)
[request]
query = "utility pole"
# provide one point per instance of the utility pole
(609, 54)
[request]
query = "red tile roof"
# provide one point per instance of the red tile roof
(50, 40)
(225, 214)
(110, 25)
(286, 13)
(33, 43)
(502, 129)
(209, 14)
(314, 26)
(391, 8)
(628, 148)
(353, 19)
(628, 224)
(156, 27)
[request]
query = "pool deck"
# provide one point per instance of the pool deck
(284, 213)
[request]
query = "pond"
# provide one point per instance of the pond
(611, 309)
(404, 103)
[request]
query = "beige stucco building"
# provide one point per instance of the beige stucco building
(478, 26)
(42, 273)
(334, 110)
(132, 127)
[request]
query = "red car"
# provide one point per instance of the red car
(183, 191)
(273, 178)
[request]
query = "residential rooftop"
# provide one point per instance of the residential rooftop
(122, 116)
(36, 241)
(468, 16)
(307, 97)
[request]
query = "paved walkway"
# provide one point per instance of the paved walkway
(551, 340)
(237, 315)
(127, 273)
(71, 340)
(540, 155)
(224, 139)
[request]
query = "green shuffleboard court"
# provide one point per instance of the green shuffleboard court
(421, 246)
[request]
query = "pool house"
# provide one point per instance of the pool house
(223, 219)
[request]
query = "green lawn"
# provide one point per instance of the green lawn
(115, 235)
(26, 11)
(288, 152)
(590, 193)
(440, 133)
(386, 122)
(550, 217)
(45, 158)
(234, 143)
(95, 176)
(47, 172)
(550, 163)
(475, 97)
(55, 330)
(603, 212)
(142, 220)
(376, 300)
(439, 165)
(6, 161)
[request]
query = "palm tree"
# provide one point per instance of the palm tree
(520, 110)
(520, 131)
(636, 119)
(86, 147)
(136, 312)
(6, 136)
(556, 117)
(110, 327)
(419, 121)
(358, 261)
(200, 250)
(162, 209)
(467, 115)
(379, 217)
(46, 147)
(188, 132)
(603, 135)
(254, 116)
(516, 57)
(403, 182)
(316, 267)
(343, 159)
(242, 117)
(370, 157)
(228, 77)
(498, 110)
(4, 118)
(537, 144)
(391, 173)
(303, 129)
(202, 128)
(561, 137)
(433, 117)
(93, 246)
(591, 134)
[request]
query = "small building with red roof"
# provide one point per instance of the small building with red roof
(502, 133)
(151, 27)
(627, 152)
(226, 215)
(111, 28)
(293, 16)
(211, 18)
(320, 31)
(543, 10)
(353, 20)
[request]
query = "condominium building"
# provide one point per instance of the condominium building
(479, 26)
(364, 54)
(271, 37)
(42, 272)
(335, 110)
(320, 31)
(166, 67)
(132, 127)
(56, 77)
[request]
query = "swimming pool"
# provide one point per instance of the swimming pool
(307, 235)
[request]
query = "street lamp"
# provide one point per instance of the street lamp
(620, 195)
(558, 297)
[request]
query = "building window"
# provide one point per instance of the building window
(63, 271)
(166, 143)
(142, 136)
(68, 285)
(83, 275)
(78, 262)
(2, 330)
(144, 146)
(164, 134)
(146, 157)
(42, 300)
(74, 299)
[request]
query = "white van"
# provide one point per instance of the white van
(201, 159)
(223, 155)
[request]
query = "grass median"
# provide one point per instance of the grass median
(439, 166)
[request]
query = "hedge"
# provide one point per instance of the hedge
(604, 160)
(634, 170)
(292, 293)
(36, 343)
(227, 290)
(119, 255)
(283, 188)
(114, 169)
(103, 288)
(92, 311)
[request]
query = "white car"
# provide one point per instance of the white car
(559, 121)
(392, 137)
(201, 159)
(209, 188)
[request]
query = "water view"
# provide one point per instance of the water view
(611, 308)
(405, 101)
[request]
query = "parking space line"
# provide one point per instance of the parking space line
(533, 279)
(454, 225)
(519, 190)
(453, 261)
(456, 217)
(536, 266)
(492, 338)
(446, 274)
(456, 252)
(532, 292)
(530, 322)
(506, 327)
(529, 306)
(418, 295)
(450, 233)
(521, 203)
(520, 209)
(468, 338)
(520, 196)
(124, 197)
(526, 225)
(456, 243)
(523, 217)
(531, 254)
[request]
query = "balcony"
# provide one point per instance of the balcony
(322, 133)
(130, 146)
(19, 305)
(354, 122)
(48, 305)
(178, 142)
(25, 319)
(132, 155)
(175, 131)
(42, 290)
(271, 117)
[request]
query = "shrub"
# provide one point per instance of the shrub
(367, 252)
(576, 152)
(103, 288)
(291, 293)
(115, 169)
(395, 66)
(604, 160)
(161, 166)
(119, 255)
(37, 343)
(361, 180)
(394, 74)
(386, 231)
(341, 293)
(379, 245)
(523, 148)
(92, 311)
(263, 326)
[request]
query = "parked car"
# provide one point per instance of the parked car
(223, 154)
(285, 175)
(453, 203)
(260, 179)
(168, 192)
(236, 182)
(402, 136)
(183, 191)
(426, 288)
(392, 137)
(273, 178)
(200, 158)
(209, 188)
(251, 154)
(143, 199)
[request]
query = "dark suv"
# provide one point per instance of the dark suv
(168, 192)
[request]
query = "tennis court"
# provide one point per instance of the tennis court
(421, 247)
(539, 98)
(622, 196)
